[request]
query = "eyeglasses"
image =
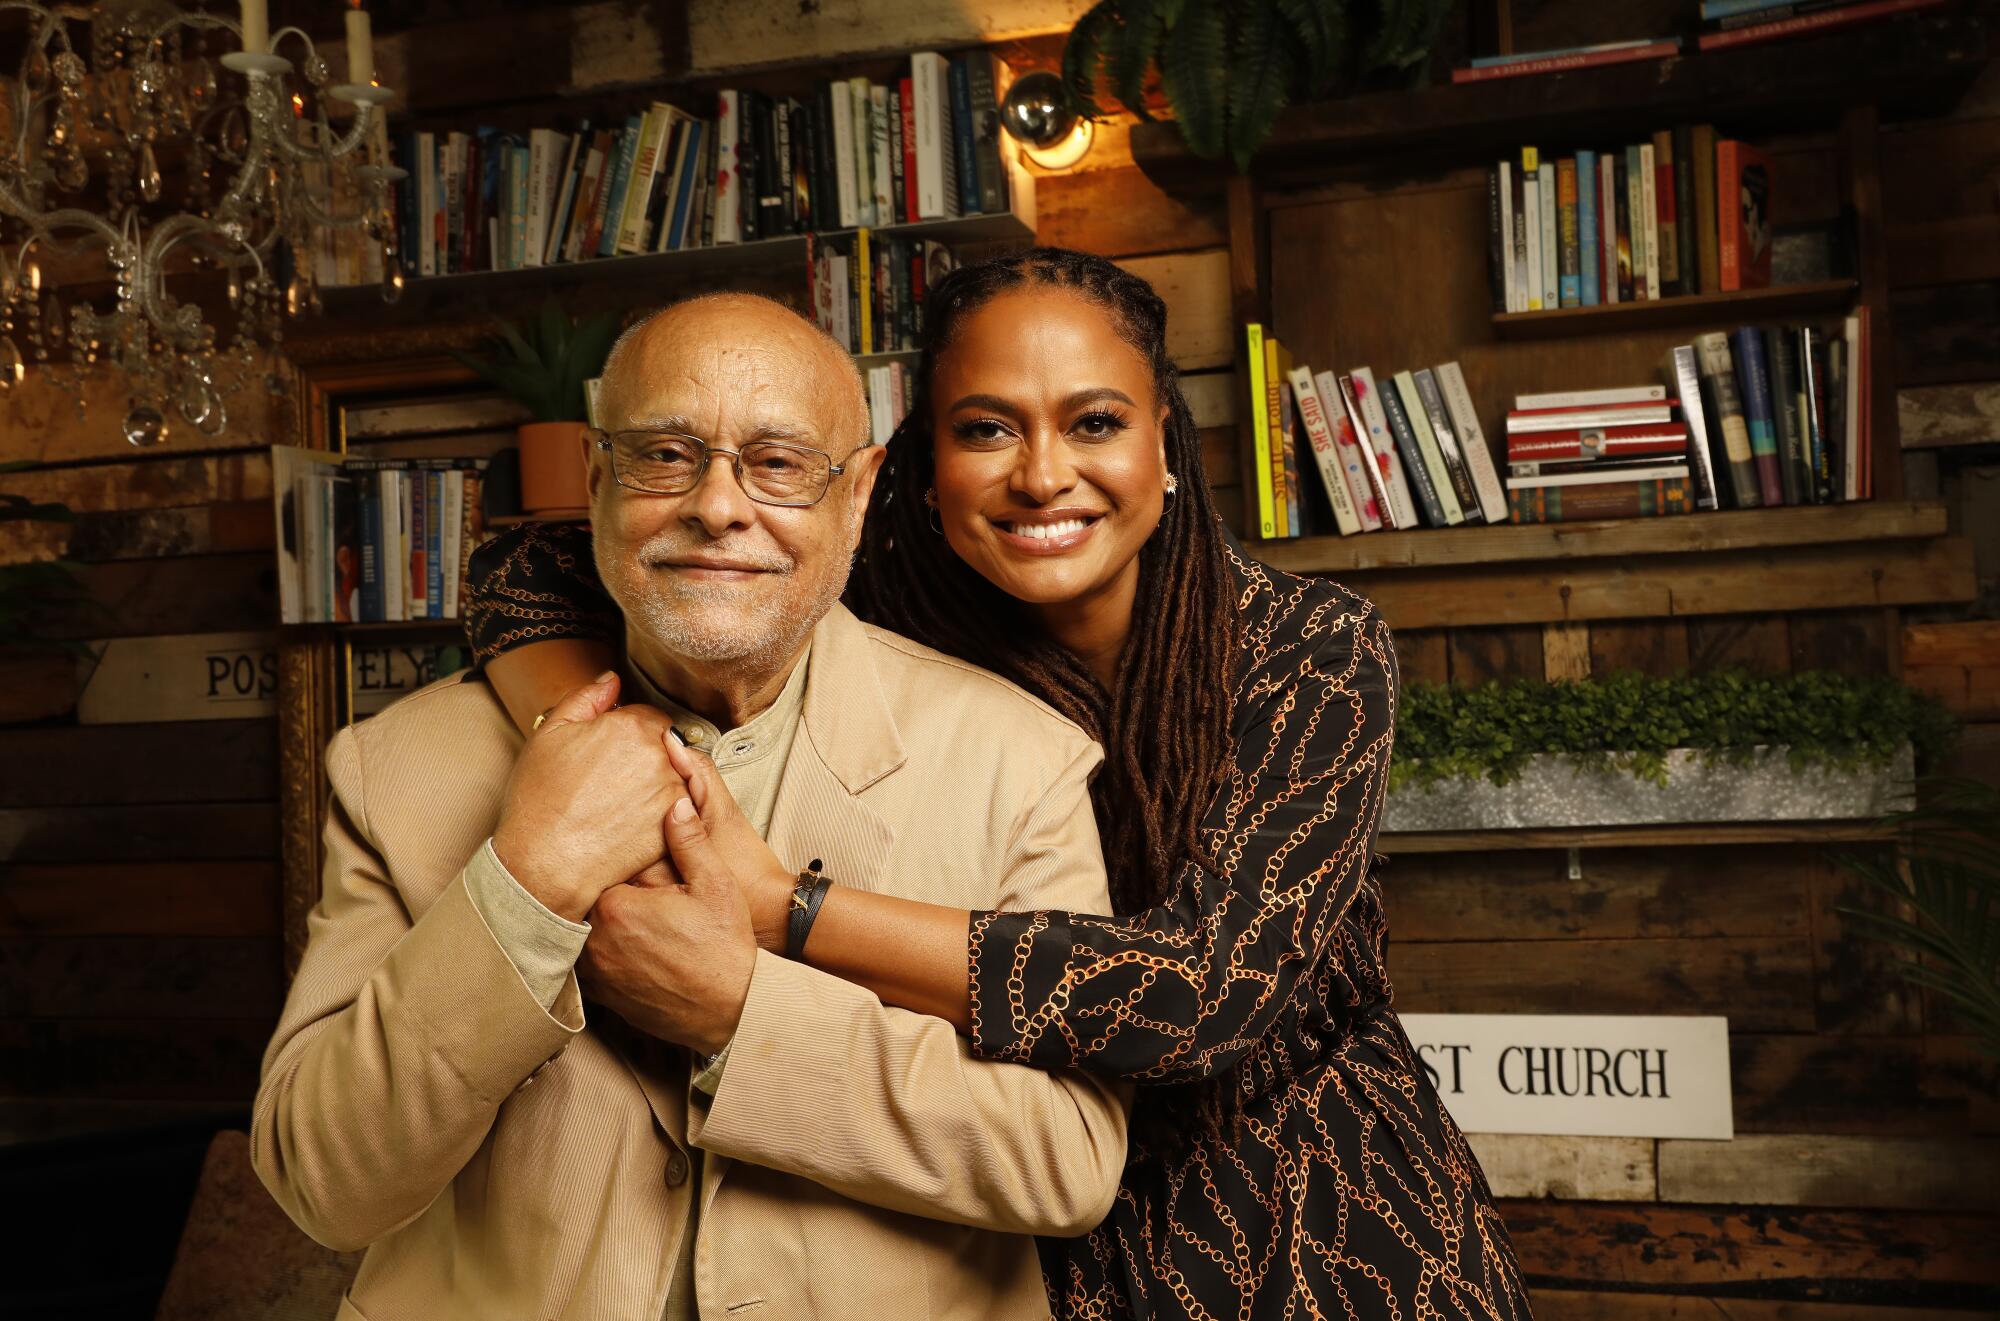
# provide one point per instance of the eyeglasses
(668, 463)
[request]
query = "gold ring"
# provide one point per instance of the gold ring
(538, 721)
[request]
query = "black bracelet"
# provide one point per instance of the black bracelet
(807, 896)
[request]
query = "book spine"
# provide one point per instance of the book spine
(1414, 464)
(1589, 289)
(728, 186)
(425, 168)
(1260, 430)
(961, 129)
(912, 205)
(898, 183)
(863, 116)
(1854, 414)
(1754, 380)
(452, 509)
(639, 193)
(1712, 352)
(1570, 262)
(417, 525)
(434, 548)
(1375, 424)
(1518, 196)
(1687, 224)
(687, 217)
(1551, 243)
(1530, 238)
(1496, 259)
(1319, 435)
(1418, 420)
(1707, 208)
(621, 186)
(880, 171)
(1569, 504)
(937, 163)
(1666, 202)
(1702, 463)
(1814, 22)
(982, 89)
(1635, 219)
(1598, 442)
(1607, 226)
(843, 155)
(1477, 453)
(565, 199)
(1812, 375)
(1728, 216)
(1652, 396)
(1355, 462)
(1628, 249)
(1447, 443)
(1781, 355)
(1649, 207)
(784, 118)
(1295, 525)
(1510, 271)
(1561, 63)
(1274, 421)
(539, 201)
(368, 509)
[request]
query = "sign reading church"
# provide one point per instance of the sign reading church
(1579, 1075)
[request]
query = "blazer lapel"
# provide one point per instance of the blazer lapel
(847, 741)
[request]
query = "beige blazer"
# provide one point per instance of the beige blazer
(499, 1161)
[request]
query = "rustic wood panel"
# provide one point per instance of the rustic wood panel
(1422, 656)
(1855, 981)
(1944, 251)
(241, 525)
(1195, 286)
(1655, 648)
(149, 1058)
(1654, 893)
(1947, 335)
(139, 899)
(1668, 586)
(1969, 693)
(162, 483)
(206, 762)
(1813, 833)
(1762, 985)
(1785, 1083)
(1847, 642)
(1592, 1169)
(1935, 168)
(35, 685)
(1211, 398)
(1218, 456)
(1122, 213)
(126, 977)
(1943, 415)
(1958, 664)
(181, 832)
(1482, 655)
(1921, 1174)
(760, 32)
(1553, 1304)
(1759, 644)
(194, 594)
(1864, 1256)
(41, 421)
(1565, 652)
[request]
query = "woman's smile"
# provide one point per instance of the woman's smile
(1046, 531)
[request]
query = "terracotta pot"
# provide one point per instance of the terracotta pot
(552, 468)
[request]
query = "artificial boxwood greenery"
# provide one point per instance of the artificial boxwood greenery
(1630, 722)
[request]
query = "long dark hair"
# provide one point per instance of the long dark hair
(1165, 725)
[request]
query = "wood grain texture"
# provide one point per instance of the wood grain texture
(134, 977)
(1808, 1083)
(1936, 416)
(1590, 1169)
(139, 899)
(1552, 1304)
(1947, 335)
(1846, 641)
(1758, 644)
(1122, 213)
(1854, 977)
(142, 1058)
(1657, 649)
(1687, 893)
(35, 685)
(194, 594)
(182, 832)
(205, 762)
(1565, 652)
(1908, 1173)
(1485, 655)
(1668, 586)
(1195, 287)
(1632, 837)
(1760, 984)
(1422, 656)
(176, 482)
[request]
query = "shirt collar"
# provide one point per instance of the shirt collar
(752, 740)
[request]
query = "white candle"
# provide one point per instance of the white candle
(360, 48)
(256, 27)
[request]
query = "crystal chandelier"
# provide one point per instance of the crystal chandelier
(127, 157)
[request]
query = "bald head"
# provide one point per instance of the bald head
(713, 336)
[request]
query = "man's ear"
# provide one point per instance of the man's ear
(864, 466)
(596, 465)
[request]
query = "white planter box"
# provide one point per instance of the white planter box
(1553, 791)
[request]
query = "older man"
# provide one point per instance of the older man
(745, 1134)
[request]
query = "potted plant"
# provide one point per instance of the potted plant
(1630, 750)
(1227, 67)
(543, 364)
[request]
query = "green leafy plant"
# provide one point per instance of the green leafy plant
(1227, 67)
(1629, 722)
(25, 588)
(544, 362)
(1942, 885)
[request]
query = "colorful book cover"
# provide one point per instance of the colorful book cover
(1568, 504)
(1569, 291)
(1753, 376)
(1391, 487)
(1666, 206)
(1347, 443)
(434, 549)
(1275, 359)
(1589, 256)
(1420, 453)
(1718, 377)
(1260, 425)
(1743, 215)
(1326, 457)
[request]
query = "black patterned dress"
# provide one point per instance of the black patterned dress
(1349, 1193)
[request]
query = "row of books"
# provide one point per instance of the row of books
(1725, 24)
(868, 289)
(1685, 213)
(850, 155)
(373, 540)
(1407, 455)
(888, 386)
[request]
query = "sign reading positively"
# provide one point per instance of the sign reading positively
(1579, 1075)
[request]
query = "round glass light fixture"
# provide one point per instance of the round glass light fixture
(1038, 114)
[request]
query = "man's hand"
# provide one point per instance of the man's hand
(674, 960)
(766, 884)
(584, 803)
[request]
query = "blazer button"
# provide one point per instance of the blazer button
(677, 1170)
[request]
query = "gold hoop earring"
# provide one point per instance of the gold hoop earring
(931, 503)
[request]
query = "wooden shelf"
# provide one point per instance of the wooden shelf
(516, 520)
(402, 626)
(1713, 310)
(1916, 64)
(1735, 529)
(650, 273)
(1626, 837)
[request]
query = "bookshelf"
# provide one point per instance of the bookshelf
(1689, 311)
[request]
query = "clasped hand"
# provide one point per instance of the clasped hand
(608, 819)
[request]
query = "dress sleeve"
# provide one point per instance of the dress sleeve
(1181, 991)
(533, 583)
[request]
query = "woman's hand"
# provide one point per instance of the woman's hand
(763, 879)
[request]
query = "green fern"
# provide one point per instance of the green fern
(1942, 888)
(1228, 67)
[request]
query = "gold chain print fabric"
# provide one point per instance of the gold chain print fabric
(1346, 1192)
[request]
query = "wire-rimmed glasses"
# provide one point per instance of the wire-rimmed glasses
(771, 472)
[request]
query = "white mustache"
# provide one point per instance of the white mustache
(670, 546)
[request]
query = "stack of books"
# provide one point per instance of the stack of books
(373, 540)
(1402, 454)
(1616, 453)
(851, 155)
(1726, 23)
(1683, 213)
(1487, 68)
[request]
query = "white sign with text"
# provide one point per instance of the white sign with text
(1579, 1075)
